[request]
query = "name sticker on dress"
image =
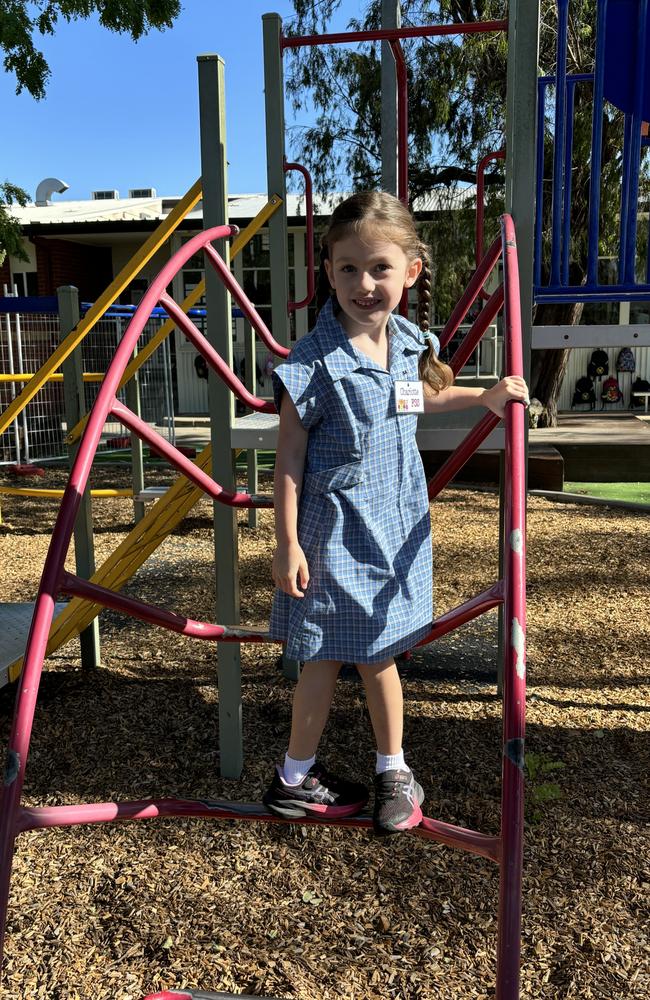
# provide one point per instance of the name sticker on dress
(409, 397)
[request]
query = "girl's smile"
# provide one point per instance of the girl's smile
(369, 276)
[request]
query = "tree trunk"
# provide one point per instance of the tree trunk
(549, 365)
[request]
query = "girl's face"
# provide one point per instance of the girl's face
(369, 276)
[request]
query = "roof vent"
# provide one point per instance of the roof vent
(46, 189)
(142, 193)
(105, 195)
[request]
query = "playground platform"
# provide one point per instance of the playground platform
(594, 446)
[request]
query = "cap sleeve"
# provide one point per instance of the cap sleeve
(299, 380)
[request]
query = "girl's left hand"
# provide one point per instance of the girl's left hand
(511, 387)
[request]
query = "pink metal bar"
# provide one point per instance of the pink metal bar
(309, 220)
(468, 297)
(466, 612)
(244, 302)
(514, 640)
(393, 34)
(480, 203)
(49, 587)
(214, 359)
(41, 817)
(185, 465)
(477, 329)
(463, 452)
(77, 587)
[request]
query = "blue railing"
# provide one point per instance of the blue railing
(621, 75)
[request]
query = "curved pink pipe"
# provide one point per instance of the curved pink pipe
(309, 220)
(244, 303)
(51, 579)
(514, 624)
(214, 359)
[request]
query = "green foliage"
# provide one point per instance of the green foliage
(10, 231)
(21, 20)
(539, 793)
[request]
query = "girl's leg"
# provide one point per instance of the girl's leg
(311, 706)
(398, 796)
(385, 704)
(312, 790)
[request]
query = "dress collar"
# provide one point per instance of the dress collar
(341, 357)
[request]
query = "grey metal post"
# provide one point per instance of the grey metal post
(137, 449)
(251, 385)
(276, 182)
(212, 109)
(75, 408)
(279, 252)
(521, 119)
(391, 17)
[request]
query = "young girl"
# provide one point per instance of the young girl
(353, 564)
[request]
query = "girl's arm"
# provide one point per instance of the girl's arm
(289, 563)
(460, 397)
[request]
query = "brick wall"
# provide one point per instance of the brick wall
(62, 262)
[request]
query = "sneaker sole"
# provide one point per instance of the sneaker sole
(295, 810)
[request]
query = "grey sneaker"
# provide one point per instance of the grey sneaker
(398, 798)
(320, 794)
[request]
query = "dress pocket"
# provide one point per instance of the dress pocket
(329, 480)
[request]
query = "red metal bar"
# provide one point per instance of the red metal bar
(309, 220)
(77, 587)
(477, 329)
(514, 625)
(468, 297)
(480, 203)
(185, 465)
(393, 34)
(18, 748)
(463, 452)
(244, 303)
(214, 359)
(41, 817)
(464, 613)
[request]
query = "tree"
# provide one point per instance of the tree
(20, 21)
(457, 92)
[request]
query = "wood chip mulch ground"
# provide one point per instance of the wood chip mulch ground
(114, 912)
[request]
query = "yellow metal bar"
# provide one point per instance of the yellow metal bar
(27, 491)
(120, 566)
(106, 299)
(242, 239)
(55, 377)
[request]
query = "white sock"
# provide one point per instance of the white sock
(294, 771)
(390, 762)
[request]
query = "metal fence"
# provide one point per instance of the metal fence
(38, 433)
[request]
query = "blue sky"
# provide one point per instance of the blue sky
(120, 114)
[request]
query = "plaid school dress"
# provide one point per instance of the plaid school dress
(363, 515)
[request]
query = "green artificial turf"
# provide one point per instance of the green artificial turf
(634, 492)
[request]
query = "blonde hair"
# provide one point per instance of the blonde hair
(385, 214)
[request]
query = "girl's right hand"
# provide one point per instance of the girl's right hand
(290, 569)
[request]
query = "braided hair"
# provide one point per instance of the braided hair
(384, 214)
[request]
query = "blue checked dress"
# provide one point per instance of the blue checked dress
(363, 516)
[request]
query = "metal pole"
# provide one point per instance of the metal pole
(212, 109)
(21, 368)
(391, 17)
(12, 371)
(275, 158)
(132, 390)
(521, 118)
(75, 409)
(251, 384)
